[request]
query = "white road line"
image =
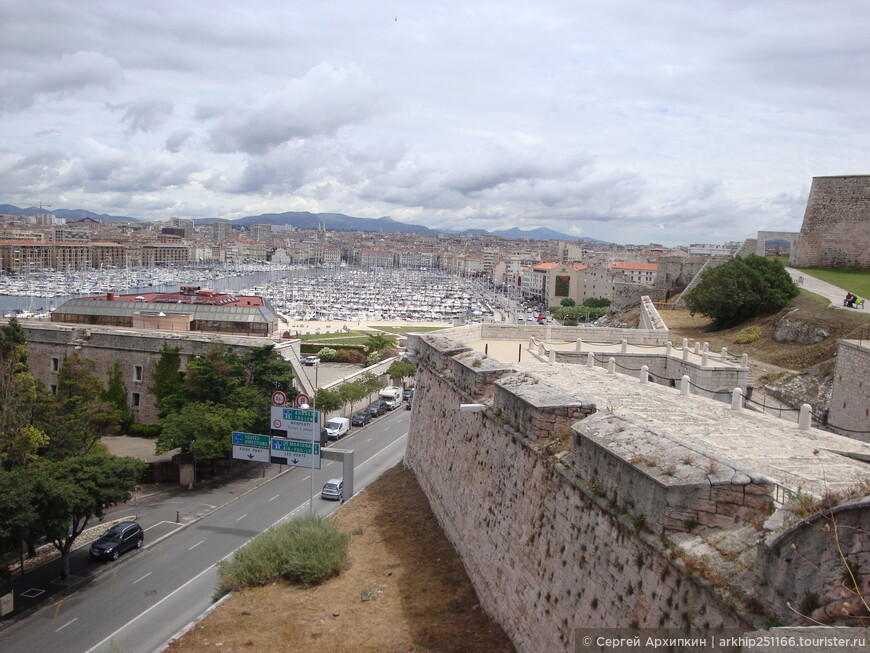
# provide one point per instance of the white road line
(66, 624)
(204, 571)
(370, 439)
(242, 517)
(195, 545)
(275, 497)
(143, 578)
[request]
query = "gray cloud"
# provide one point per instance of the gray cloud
(177, 139)
(319, 104)
(146, 114)
(63, 77)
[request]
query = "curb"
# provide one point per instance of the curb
(64, 593)
(186, 629)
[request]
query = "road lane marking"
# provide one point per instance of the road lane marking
(242, 517)
(207, 569)
(143, 577)
(275, 497)
(196, 545)
(66, 624)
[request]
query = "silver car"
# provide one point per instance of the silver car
(332, 489)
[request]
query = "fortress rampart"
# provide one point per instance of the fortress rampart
(572, 507)
(836, 225)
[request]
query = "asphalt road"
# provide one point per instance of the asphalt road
(151, 594)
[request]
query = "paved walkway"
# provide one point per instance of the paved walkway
(819, 287)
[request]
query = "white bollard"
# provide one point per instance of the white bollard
(670, 349)
(706, 347)
(685, 343)
(804, 418)
(704, 357)
(685, 353)
(744, 360)
(579, 344)
(590, 359)
(644, 374)
(724, 353)
(684, 385)
(736, 399)
(552, 356)
(697, 347)
(611, 365)
(624, 347)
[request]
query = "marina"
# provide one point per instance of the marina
(301, 293)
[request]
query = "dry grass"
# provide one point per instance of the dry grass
(404, 590)
(810, 309)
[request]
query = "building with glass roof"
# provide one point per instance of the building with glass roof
(190, 309)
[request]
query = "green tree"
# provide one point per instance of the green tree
(596, 302)
(116, 395)
(215, 375)
(567, 301)
(376, 342)
(328, 401)
(352, 392)
(268, 371)
(67, 494)
(20, 440)
(741, 289)
(19, 522)
(203, 429)
(167, 381)
(401, 369)
(77, 377)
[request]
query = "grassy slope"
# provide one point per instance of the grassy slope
(808, 308)
(855, 281)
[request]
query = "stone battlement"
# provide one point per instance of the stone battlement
(580, 498)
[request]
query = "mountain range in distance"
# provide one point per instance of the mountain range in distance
(305, 220)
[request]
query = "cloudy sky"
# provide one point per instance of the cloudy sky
(632, 121)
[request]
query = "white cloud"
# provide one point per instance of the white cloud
(665, 121)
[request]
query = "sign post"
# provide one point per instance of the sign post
(251, 446)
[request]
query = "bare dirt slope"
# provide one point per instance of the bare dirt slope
(404, 590)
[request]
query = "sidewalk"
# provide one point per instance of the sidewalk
(161, 509)
(827, 290)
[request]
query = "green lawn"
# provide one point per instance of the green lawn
(855, 281)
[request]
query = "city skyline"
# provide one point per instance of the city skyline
(632, 123)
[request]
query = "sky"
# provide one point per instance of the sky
(632, 121)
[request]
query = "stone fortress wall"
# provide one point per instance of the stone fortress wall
(850, 393)
(836, 227)
(568, 515)
(49, 343)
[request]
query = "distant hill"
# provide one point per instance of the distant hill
(66, 214)
(306, 220)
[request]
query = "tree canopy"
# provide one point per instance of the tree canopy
(740, 289)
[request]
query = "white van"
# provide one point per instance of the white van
(337, 427)
(392, 396)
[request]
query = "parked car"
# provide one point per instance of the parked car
(337, 427)
(361, 418)
(311, 360)
(118, 539)
(408, 394)
(377, 408)
(332, 489)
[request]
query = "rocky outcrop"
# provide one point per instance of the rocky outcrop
(799, 332)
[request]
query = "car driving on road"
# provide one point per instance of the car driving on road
(311, 360)
(332, 489)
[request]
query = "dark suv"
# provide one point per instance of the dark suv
(118, 539)
(377, 408)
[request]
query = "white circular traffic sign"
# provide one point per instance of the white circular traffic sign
(279, 398)
(302, 400)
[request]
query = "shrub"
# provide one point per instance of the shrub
(740, 289)
(747, 335)
(307, 550)
(328, 354)
(354, 356)
(143, 430)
